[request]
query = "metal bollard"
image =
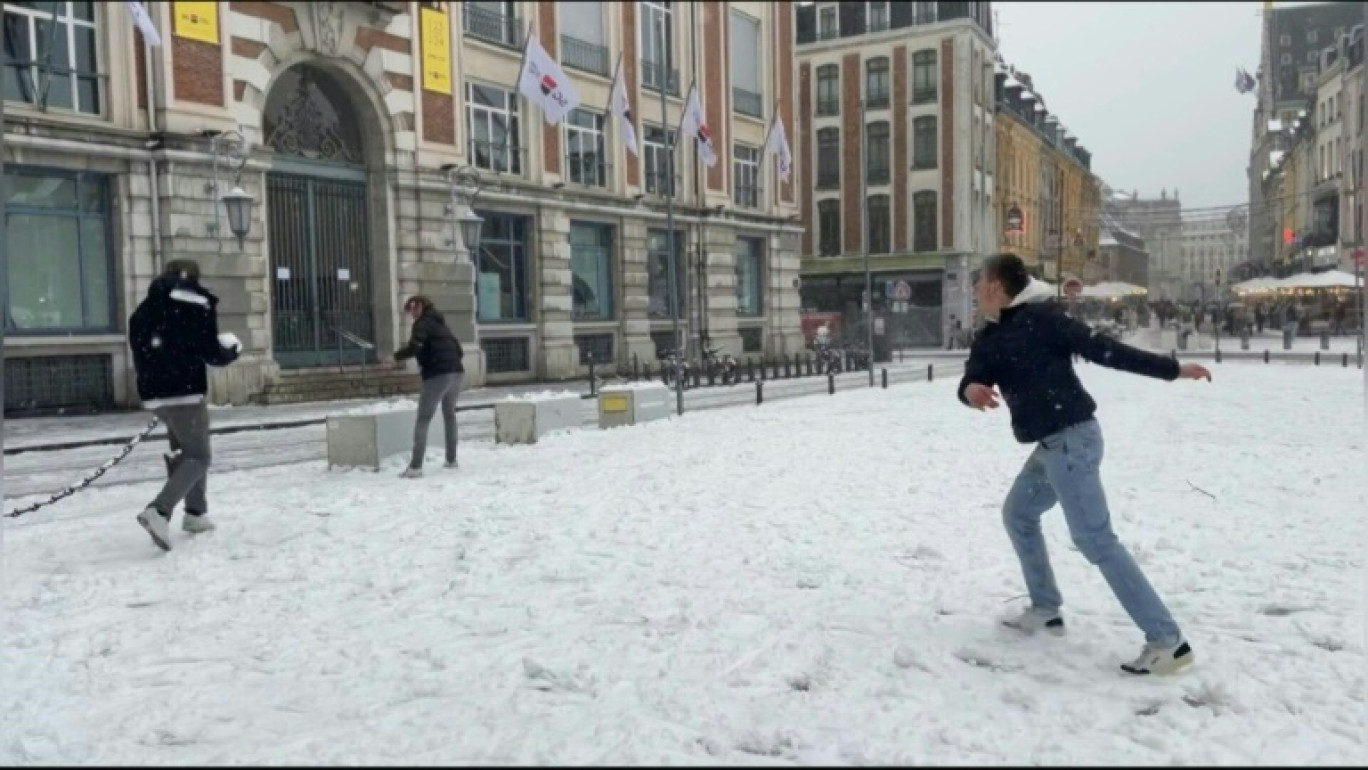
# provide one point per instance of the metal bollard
(1325, 340)
(1265, 355)
(1346, 360)
(774, 375)
(760, 391)
(831, 384)
(788, 370)
(593, 387)
(762, 369)
(750, 370)
(930, 372)
(1218, 355)
(1318, 358)
(885, 379)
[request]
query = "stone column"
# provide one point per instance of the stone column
(559, 358)
(784, 329)
(635, 300)
(720, 254)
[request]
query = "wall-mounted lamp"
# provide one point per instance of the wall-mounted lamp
(464, 185)
(230, 149)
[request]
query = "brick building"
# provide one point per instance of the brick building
(924, 72)
(349, 114)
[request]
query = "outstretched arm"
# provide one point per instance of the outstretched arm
(1102, 350)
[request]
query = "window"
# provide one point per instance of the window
(746, 176)
(829, 159)
(501, 283)
(829, 90)
(51, 58)
(750, 266)
(591, 271)
(876, 153)
(657, 47)
(880, 237)
(1284, 39)
(1286, 59)
(876, 83)
(924, 142)
(584, 146)
(924, 236)
(876, 15)
(1312, 35)
(659, 147)
(494, 22)
(582, 40)
(60, 264)
(829, 227)
(492, 128)
(827, 26)
(923, 77)
(745, 65)
(658, 274)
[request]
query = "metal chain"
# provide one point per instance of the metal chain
(88, 480)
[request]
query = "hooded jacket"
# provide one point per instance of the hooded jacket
(432, 343)
(174, 335)
(1028, 354)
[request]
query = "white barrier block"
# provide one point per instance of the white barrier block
(526, 420)
(620, 405)
(365, 440)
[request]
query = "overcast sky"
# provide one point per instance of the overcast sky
(1148, 88)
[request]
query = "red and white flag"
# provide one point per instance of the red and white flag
(619, 105)
(778, 146)
(545, 84)
(695, 126)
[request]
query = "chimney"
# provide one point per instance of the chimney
(999, 86)
(1051, 125)
(1071, 143)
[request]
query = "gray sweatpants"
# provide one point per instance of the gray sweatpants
(442, 390)
(187, 429)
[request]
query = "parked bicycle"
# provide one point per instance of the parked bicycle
(673, 365)
(720, 366)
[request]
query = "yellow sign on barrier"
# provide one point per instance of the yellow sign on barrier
(613, 403)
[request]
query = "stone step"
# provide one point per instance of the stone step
(333, 372)
(410, 383)
(310, 395)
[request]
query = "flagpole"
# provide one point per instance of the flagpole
(662, 82)
(517, 83)
(765, 151)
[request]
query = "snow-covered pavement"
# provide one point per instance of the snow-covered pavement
(813, 581)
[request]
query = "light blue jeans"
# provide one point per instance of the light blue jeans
(1065, 469)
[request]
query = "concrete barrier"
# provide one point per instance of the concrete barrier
(620, 405)
(364, 440)
(524, 420)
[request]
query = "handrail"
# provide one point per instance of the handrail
(345, 336)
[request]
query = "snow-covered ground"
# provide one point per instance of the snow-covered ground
(811, 581)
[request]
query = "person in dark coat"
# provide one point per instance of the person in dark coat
(439, 357)
(1027, 354)
(174, 335)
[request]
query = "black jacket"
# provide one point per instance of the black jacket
(174, 335)
(1028, 355)
(432, 343)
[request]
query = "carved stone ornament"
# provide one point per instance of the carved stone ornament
(309, 126)
(327, 19)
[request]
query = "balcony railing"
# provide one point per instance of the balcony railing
(491, 27)
(656, 184)
(877, 174)
(499, 157)
(828, 107)
(923, 95)
(876, 100)
(746, 196)
(747, 102)
(656, 76)
(588, 57)
(828, 179)
(587, 169)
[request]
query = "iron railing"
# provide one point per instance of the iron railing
(747, 102)
(352, 340)
(828, 107)
(588, 57)
(654, 76)
(747, 196)
(491, 27)
(923, 94)
(587, 169)
(828, 178)
(499, 157)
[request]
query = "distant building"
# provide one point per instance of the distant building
(1159, 222)
(1211, 242)
(1121, 257)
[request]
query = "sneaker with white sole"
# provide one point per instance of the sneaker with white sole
(196, 523)
(1161, 659)
(1032, 620)
(412, 473)
(155, 523)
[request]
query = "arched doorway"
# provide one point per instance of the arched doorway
(318, 222)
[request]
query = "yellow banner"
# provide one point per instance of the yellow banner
(436, 51)
(197, 21)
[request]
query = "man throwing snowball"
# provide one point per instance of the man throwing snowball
(1027, 353)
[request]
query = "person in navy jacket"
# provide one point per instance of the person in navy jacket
(1026, 352)
(175, 338)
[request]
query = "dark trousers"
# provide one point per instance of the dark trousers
(187, 429)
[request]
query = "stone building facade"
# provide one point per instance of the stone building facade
(348, 113)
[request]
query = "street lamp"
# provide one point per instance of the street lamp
(464, 185)
(230, 148)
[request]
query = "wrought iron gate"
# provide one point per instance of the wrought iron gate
(320, 268)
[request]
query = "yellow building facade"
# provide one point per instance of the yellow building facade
(1018, 191)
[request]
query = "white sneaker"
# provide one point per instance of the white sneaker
(1161, 659)
(1032, 620)
(412, 473)
(197, 524)
(156, 526)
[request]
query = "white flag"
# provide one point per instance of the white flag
(619, 106)
(144, 22)
(545, 84)
(779, 147)
(696, 127)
